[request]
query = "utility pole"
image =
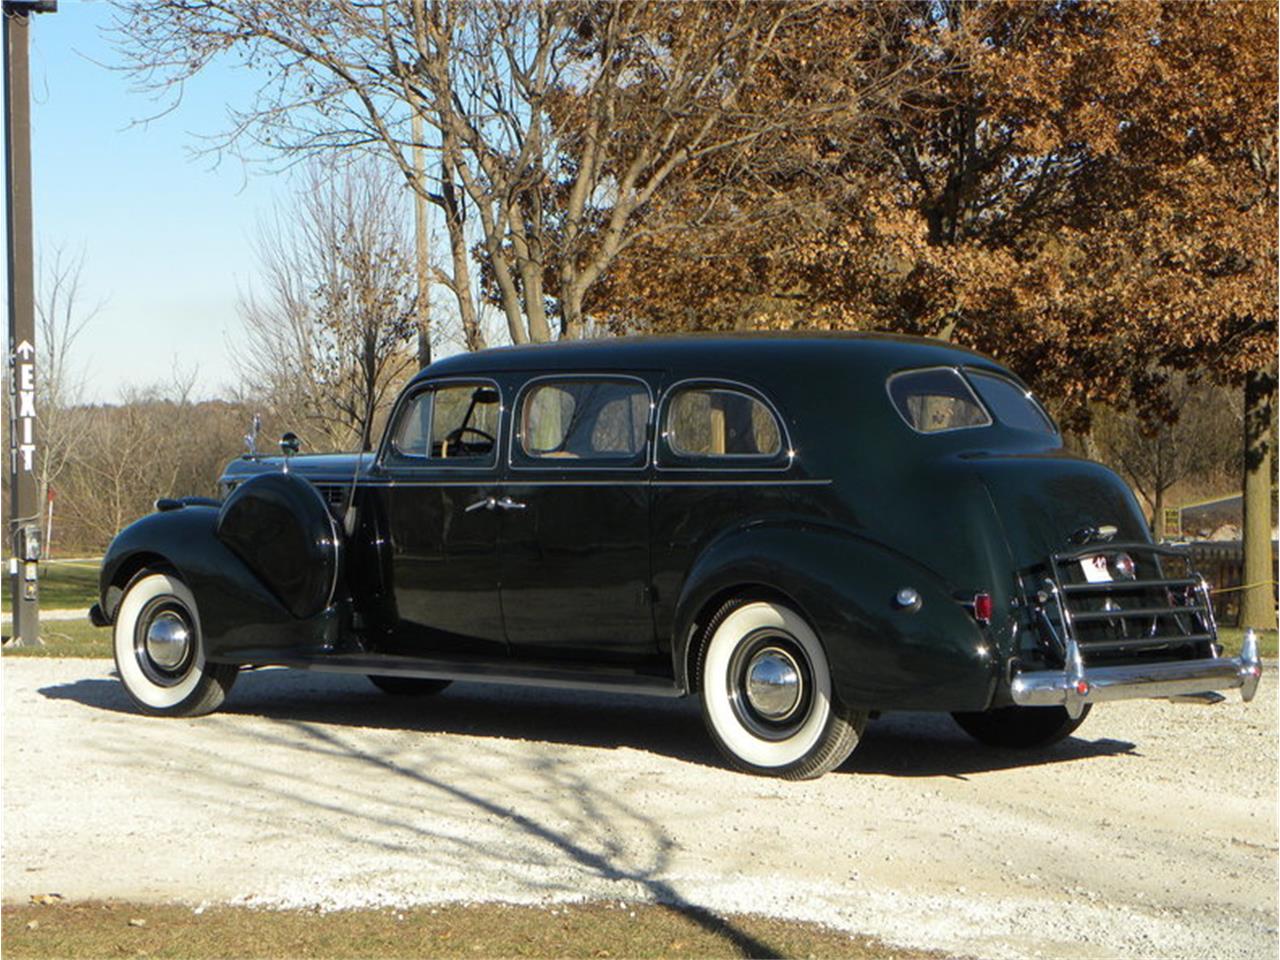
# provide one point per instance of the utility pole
(24, 512)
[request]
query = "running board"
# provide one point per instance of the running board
(600, 679)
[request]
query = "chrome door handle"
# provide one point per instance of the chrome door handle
(506, 503)
(488, 503)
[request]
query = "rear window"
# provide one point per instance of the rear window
(715, 422)
(1011, 404)
(934, 401)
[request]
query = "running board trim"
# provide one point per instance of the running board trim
(478, 671)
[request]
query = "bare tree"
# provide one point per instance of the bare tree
(328, 340)
(62, 314)
(1203, 440)
(556, 125)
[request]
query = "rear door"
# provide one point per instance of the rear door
(575, 520)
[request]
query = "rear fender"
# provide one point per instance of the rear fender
(882, 655)
(240, 619)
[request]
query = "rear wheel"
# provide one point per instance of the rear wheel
(767, 698)
(409, 686)
(159, 651)
(1023, 728)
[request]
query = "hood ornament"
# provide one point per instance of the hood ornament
(251, 438)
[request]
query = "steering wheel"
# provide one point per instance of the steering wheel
(455, 437)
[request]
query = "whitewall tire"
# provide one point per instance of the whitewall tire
(158, 650)
(767, 696)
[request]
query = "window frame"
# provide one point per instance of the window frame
(960, 375)
(390, 457)
(667, 457)
(969, 371)
(518, 460)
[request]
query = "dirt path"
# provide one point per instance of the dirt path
(1151, 834)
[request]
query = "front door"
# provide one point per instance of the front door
(440, 471)
(575, 521)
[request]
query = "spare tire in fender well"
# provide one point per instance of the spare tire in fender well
(279, 525)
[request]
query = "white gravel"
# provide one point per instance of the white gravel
(1152, 834)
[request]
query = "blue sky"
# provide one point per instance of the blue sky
(166, 237)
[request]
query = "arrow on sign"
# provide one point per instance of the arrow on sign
(25, 350)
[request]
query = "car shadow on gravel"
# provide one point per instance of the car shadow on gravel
(900, 745)
(931, 745)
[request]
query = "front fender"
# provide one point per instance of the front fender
(240, 619)
(882, 656)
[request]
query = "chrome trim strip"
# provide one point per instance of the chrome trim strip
(780, 482)
(742, 462)
(603, 481)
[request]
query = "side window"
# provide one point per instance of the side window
(714, 422)
(583, 420)
(453, 423)
(934, 401)
(1011, 404)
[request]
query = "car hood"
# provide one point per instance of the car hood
(337, 467)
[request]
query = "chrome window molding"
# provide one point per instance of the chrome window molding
(1022, 387)
(414, 462)
(973, 394)
(783, 460)
(638, 462)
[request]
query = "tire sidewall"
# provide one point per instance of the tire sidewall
(150, 696)
(735, 738)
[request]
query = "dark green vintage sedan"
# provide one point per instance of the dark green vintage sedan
(800, 530)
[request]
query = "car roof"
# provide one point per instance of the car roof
(754, 355)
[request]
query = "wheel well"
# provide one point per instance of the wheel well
(699, 627)
(128, 569)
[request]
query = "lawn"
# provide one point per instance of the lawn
(64, 586)
(613, 929)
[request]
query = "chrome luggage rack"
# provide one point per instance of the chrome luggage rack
(1123, 644)
(1169, 611)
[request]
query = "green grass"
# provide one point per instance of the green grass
(65, 638)
(615, 929)
(1233, 637)
(63, 586)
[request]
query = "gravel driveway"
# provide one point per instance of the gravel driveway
(1151, 834)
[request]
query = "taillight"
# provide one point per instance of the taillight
(982, 607)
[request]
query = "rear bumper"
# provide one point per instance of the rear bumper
(1074, 687)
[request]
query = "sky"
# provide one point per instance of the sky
(166, 237)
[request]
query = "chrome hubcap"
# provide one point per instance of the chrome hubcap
(168, 640)
(773, 685)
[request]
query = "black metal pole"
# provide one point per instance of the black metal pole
(24, 511)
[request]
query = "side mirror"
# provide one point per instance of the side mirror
(290, 444)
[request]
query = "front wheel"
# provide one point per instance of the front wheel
(159, 654)
(1022, 728)
(766, 694)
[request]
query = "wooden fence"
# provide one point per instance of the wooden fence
(1222, 563)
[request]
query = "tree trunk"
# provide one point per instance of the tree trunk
(1258, 605)
(1157, 515)
(421, 234)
